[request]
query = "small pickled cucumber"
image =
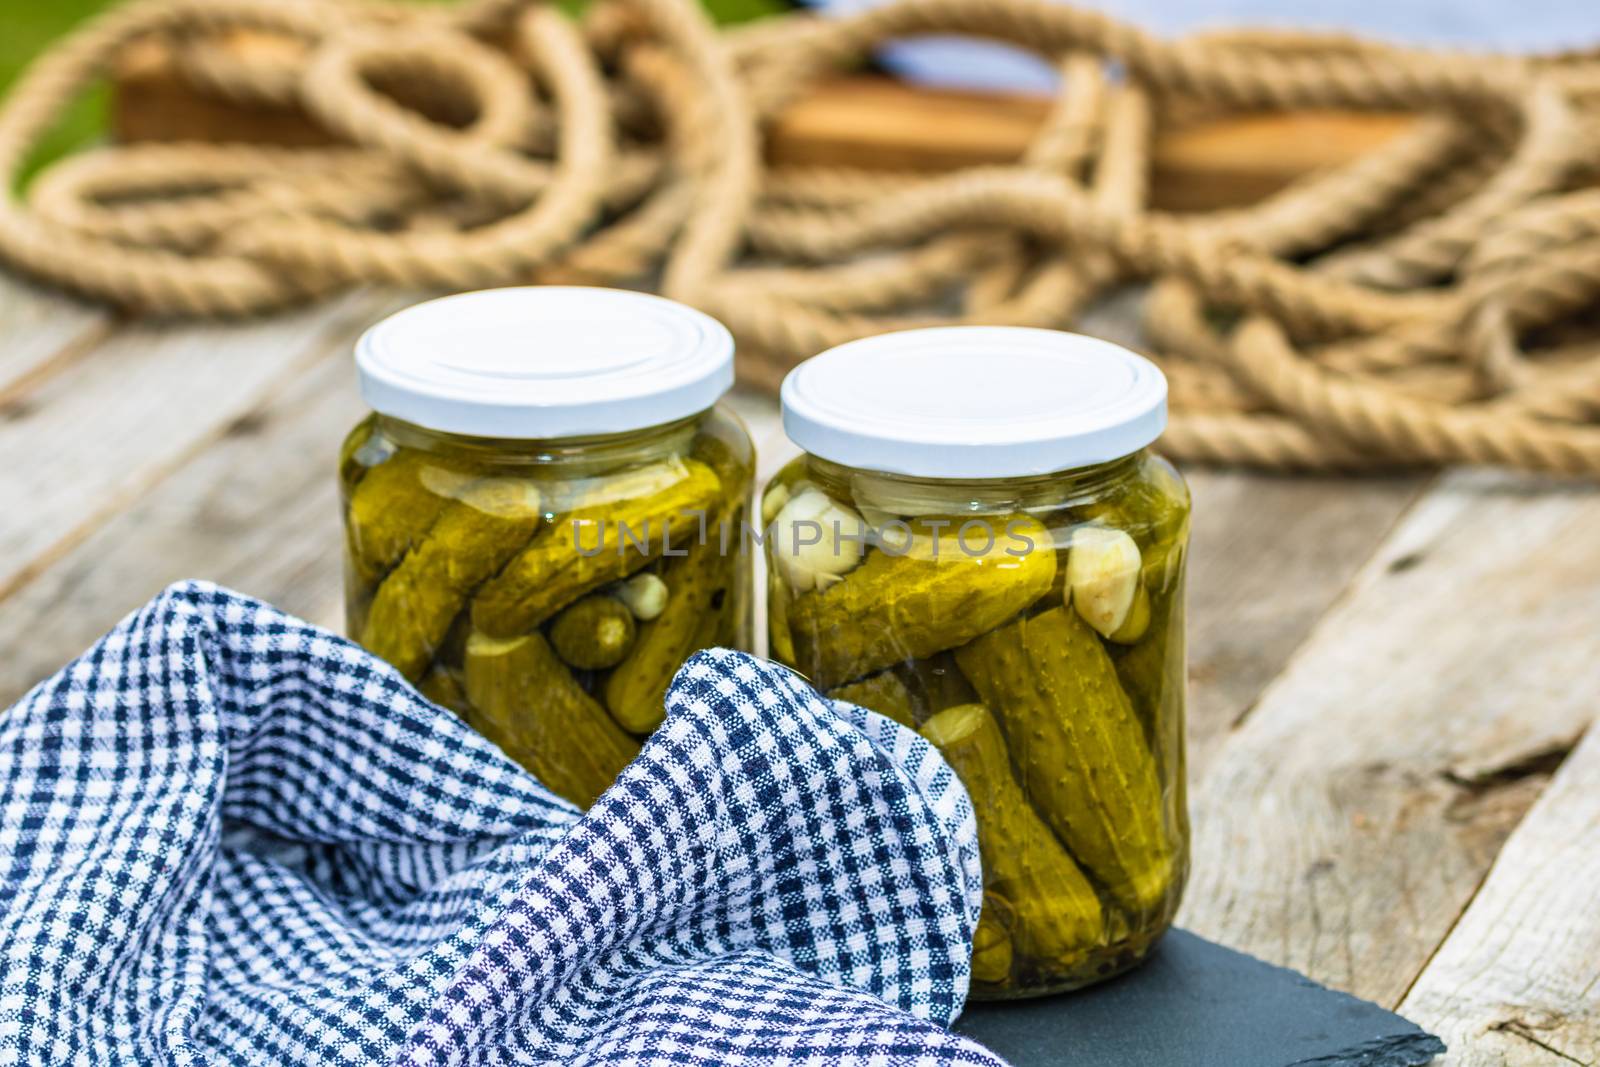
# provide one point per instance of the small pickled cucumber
(883, 693)
(780, 641)
(1153, 506)
(942, 592)
(526, 702)
(594, 633)
(473, 538)
(1137, 620)
(1080, 750)
(351, 470)
(446, 688)
(991, 942)
(393, 507)
(636, 690)
(934, 684)
(1151, 670)
(627, 524)
(1058, 919)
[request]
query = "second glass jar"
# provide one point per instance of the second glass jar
(1030, 625)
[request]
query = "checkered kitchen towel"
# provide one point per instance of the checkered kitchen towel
(230, 837)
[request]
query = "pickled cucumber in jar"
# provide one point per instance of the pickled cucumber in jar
(536, 515)
(978, 543)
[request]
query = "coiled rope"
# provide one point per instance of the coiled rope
(1432, 302)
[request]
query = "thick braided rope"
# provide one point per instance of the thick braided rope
(1424, 304)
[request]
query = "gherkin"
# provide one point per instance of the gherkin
(394, 505)
(635, 691)
(526, 702)
(1080, 751)
(1057, 919)
(630, 520)
(913, 605)
(593, 633)
(883, 693)
(992, 951)
(471, 540)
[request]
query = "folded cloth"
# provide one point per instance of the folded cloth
(227, 836)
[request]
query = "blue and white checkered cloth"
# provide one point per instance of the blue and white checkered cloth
(229, 837)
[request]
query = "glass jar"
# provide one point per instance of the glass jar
(978, 544)
(535, 515)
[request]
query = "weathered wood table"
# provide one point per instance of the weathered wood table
(1391, 678)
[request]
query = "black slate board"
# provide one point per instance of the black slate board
(1196, 1004)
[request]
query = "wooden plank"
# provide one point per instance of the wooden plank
(1518, 981)
(1268, 556)
(1348, 822)
(40, 332)
(255, 509)
(881, 124)
(105, 429)
(853, 121)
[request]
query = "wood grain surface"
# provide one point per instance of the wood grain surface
(1518, 981)
(112, 423)
(1347, 822)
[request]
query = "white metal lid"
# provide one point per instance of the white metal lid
(544, 361)
(974, 402)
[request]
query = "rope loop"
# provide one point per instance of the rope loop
(1429, 303)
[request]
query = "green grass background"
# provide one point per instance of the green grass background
(28, 26)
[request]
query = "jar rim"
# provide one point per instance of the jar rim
(544, 362)
(974, 402)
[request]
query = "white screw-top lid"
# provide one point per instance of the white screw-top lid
(544, 361)
(974, 402)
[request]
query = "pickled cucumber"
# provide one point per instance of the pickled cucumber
(883, 693)
(394, 505)
(446, 688)
(526, 702)
(471, 540)
(627, 522)
(351, 468)
(933, 597)
(780, 641)
(593, 633)
(1081, 751)
(934, 684)
(636, 690)
(1058, 919)
(1136, 622)
(991, 942)
(1152, 673)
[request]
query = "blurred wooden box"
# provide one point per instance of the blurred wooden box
(859, 121)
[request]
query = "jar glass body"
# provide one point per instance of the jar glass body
(1033, 629)
(548, 590)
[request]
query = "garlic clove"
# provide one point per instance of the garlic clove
(644, 594)
(1102, 576)
(813, 536)
(890, 531)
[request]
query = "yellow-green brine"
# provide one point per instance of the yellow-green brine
(536, 515)
(978, 543)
